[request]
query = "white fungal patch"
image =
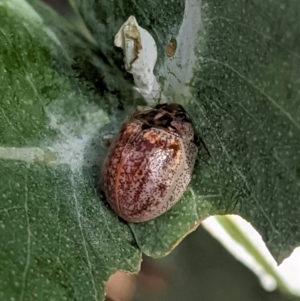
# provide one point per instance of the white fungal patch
(75, 147)
(71, 148)
(140, 55)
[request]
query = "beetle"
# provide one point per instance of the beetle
(150, 162)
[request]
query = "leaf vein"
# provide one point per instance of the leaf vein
(269, 98)
(28, 243)
(83, 239)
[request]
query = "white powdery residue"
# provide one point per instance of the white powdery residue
(178, 70)
(72, 146)
(70, 151)
(78, 145)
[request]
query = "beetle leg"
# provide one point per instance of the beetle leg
(198, 140)
(205, 146)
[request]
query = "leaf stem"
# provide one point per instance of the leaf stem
(239, 237)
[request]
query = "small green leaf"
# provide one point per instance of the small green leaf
(58, 239)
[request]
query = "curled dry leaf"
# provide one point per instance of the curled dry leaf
(140, 55)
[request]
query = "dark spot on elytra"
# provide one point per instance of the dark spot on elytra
(150, 115)
(161, 188)
(159, 106)
(171, 108)
(171, 199)
(146, 126)
(165, 119)
(144, 206)
(183, 117)
(175, 147)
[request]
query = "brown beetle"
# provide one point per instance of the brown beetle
(150, 163)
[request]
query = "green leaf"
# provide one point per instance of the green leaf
(238, 73)
(58, 239)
